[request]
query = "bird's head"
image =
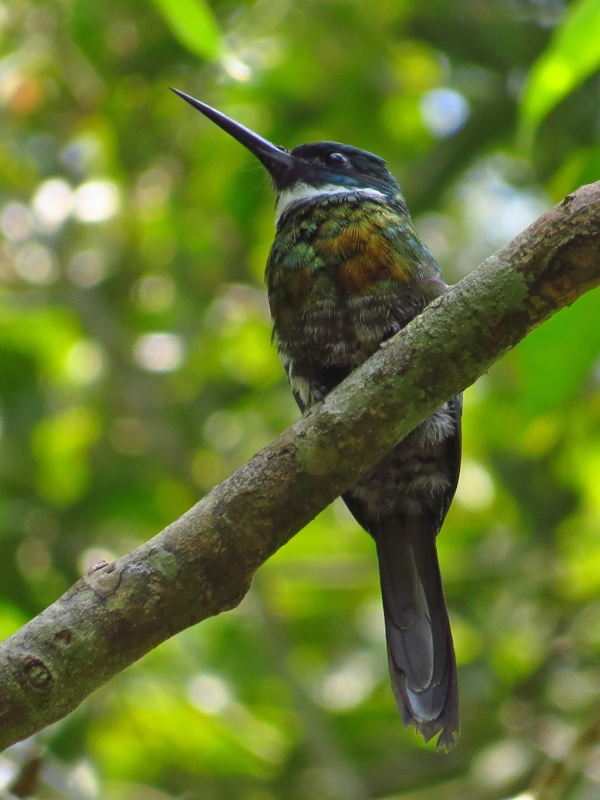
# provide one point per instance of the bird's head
(309, 170)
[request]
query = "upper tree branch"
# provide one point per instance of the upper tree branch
(203, 563)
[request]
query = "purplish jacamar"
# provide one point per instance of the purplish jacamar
(346, 271)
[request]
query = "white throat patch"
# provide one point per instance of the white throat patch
(302, 193)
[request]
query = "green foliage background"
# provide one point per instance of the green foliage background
(136, 372)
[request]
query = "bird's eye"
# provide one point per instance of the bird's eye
(336, 160)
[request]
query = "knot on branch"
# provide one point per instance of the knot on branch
(37, 675)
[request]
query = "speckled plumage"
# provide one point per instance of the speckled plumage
(343, 275)
(346, 271)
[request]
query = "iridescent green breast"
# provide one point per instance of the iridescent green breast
(346, 271)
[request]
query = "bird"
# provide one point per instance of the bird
(346, 271)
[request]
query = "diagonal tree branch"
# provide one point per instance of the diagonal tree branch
(203, 563)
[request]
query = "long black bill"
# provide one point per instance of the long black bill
(275, 159)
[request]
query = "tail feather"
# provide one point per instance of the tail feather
(420, 649)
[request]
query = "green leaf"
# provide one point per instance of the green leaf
(558, 356)
(60, 444)
(193, 23)
(572, 56)
(579, 167)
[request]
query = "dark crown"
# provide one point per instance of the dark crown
(324, 163)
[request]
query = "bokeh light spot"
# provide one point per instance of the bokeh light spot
(85, 362)
(52, 204)
(81, 153)
(444, 111)
(155, 293)
(467, 640)
(33, 558)
(97, 201)
(83, 781)
(15, 222)
(153, 190)
(209, 694)
(236, 68)
(502, 763)
(475, 489)
(35, 264)
(158, 352)
(223, 430)
(87, 268)
(349, 685)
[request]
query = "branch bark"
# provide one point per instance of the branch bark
(203, 563)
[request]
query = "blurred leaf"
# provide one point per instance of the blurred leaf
(46, 334)
(248, 354)
(159, 727)
(11, 619)
(60, 444)
(578, 168)
(573, 55)
(86, 26)
(580, 546)
(91, 468)
(194, 25)
(557, 357)
(517, 652)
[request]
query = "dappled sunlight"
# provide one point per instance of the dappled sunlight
(137, 372)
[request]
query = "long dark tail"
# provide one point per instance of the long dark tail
(419, 640)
